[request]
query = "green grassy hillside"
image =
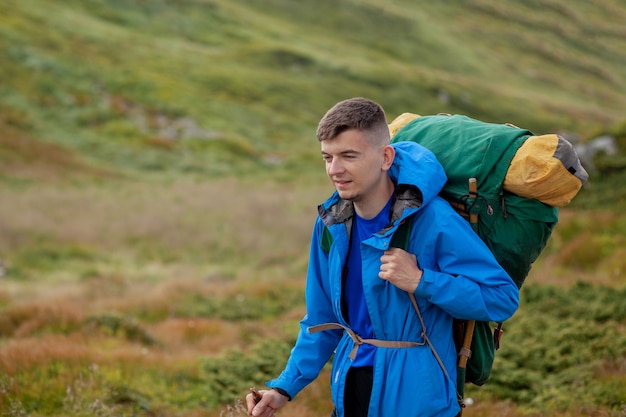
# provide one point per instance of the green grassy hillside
(159, 175)
(197, 86)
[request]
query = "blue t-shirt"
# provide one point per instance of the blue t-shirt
(358, 315)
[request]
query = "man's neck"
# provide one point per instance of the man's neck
(369, 208)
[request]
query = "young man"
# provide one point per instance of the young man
(382, 366)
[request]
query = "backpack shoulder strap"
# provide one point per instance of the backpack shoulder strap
(401, 239)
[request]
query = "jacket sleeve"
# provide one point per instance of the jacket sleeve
(311, 351)
(461, 274)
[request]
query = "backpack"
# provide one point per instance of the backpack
(514, 171)
(509, 184)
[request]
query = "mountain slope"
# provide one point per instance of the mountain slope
(200, 85)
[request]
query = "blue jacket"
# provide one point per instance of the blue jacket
(461, 278)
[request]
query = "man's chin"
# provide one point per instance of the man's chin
(345, 195)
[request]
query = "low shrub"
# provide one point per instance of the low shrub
(557, 347)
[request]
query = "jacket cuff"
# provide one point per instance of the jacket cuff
(283, 393)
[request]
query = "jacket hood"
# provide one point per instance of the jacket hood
(415, 166)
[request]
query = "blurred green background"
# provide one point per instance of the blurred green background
(159, 175)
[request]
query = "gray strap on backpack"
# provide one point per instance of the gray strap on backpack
(432, 348)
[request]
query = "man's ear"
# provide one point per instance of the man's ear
(389, 153)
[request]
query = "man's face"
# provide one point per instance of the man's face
(356, 167)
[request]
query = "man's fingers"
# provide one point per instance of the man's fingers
(259, 404)
(250, 403)
(255, 403)
(391, 254)
(262, 411)
(387, 257)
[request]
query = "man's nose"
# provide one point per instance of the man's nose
(335, 167)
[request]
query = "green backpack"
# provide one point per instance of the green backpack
(515, 228)
(476, 157)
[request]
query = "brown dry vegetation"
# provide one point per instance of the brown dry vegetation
(592, 253)
(142, 249)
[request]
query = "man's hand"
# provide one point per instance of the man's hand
(270, 401)
(400, 268)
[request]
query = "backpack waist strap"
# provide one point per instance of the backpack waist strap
(358, 340)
